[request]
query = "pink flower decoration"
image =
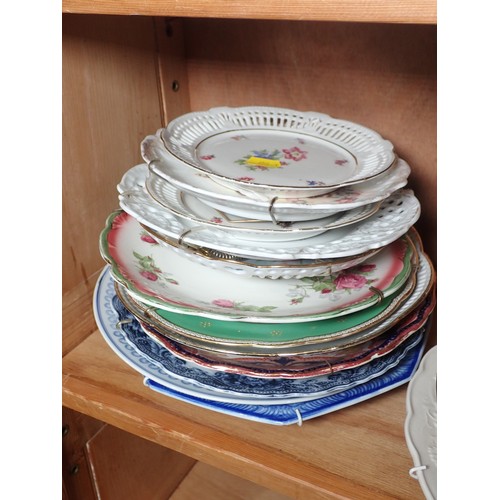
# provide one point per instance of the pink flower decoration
(148, 275)
(340, 162)
(346, 281)
(295, 154)
(245, 179)
(207, 157)
(148, 239)
(326, 290)
(217, 220)
(223, 303)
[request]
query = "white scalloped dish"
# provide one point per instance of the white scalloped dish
(283, 209)
(421, 424)
(274, 152)
(395, 216)
(189, 207)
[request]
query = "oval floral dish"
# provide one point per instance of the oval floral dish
(277, 152)
(159, 276)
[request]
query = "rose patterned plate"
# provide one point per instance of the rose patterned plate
(275, 152)
(287, 339)
(159, 276)
(396, 215)
(281, 209)
(268, 339)
(189, 207)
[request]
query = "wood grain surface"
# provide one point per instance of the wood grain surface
(387, 11)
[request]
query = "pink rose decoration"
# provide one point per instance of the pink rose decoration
(149, 275)
(223, 303)
(344, 281)
(148, 239)
(295, 154)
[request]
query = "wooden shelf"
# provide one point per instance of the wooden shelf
(379, 11)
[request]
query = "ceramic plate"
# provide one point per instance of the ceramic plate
(325, 335)
(108, 321)
(243, 386)
(159, 276)
(421, 423)
(300, 366)
(263, 339)
(189, 207)
(281, 209)
(277, 152)
(297, 413)
(278, 413)
(394, 218)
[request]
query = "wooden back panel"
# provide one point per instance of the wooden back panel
(110, 101)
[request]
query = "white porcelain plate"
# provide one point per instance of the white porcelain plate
(421, 423)
(396, 215)
(190, 208)
(237, 202)
(276, 151)
(161, 277)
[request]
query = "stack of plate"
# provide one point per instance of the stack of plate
(264, 264)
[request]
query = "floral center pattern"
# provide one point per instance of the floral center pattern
(149, 270)
(279, 156)
(355, 278)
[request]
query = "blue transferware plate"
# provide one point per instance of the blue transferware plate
(296, 413)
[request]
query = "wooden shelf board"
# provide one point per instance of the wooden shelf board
(359, 452)
(383, 11)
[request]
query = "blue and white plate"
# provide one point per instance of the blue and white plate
(176, 374)
(296, 413)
